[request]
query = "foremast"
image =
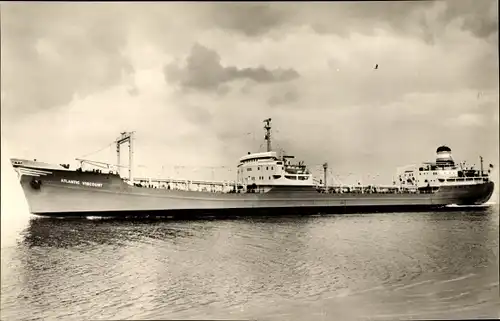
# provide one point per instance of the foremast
(126, 137)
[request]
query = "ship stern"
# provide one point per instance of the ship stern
(475, 194)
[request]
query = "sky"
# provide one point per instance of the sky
(196, 80)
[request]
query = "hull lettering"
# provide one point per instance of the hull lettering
(92, 184)
(70, 181)
(76, 182)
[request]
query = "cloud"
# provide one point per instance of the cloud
(284, 98)
(478, 17)
(251, 19)
(467, 120)
(203, 71)
(423, 19)
(257, 20)
(51, 51)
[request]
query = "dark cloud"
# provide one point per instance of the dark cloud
(251, 19)
(341, 18)
(364, 17)
(287, 97)
(479, 17)
(50, 52)
(133, 91)
(196, 114)
(423, 19)
(203, 71)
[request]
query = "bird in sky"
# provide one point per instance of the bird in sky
(376, 66)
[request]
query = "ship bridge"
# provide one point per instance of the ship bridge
(271, 156)
(265, 170)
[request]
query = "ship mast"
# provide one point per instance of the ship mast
(481, 160)
(325, 169)
(267, 127)
(124, 138)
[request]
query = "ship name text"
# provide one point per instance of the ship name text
(76, 182)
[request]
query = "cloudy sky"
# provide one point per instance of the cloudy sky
(196, 80)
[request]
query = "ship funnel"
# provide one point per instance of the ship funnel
(443, 156)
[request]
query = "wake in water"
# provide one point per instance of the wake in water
(488, 204)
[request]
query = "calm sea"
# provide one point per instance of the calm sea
(378, 266)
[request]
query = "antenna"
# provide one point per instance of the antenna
(267, 127)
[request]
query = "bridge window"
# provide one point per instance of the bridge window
(276, 176)
(249, 169)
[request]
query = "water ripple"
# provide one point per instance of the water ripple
(385, 266)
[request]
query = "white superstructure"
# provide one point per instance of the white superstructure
(262, 171)
(443, 172)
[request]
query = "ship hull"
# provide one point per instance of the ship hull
(71, 193)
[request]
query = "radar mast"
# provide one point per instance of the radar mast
(267, 127)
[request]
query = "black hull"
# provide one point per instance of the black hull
(263, 212)
(62, 193)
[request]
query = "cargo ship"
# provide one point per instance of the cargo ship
(266, 183)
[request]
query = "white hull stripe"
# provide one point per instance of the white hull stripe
(31, 172)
